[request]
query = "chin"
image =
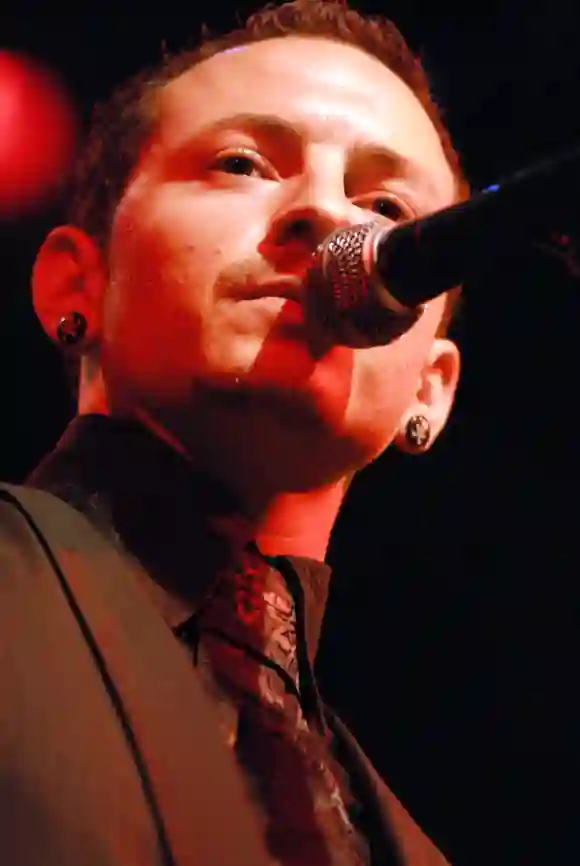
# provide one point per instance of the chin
(302, 436)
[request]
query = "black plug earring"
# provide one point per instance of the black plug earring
(417, 432)
(71, 329)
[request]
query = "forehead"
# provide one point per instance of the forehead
(332, 90)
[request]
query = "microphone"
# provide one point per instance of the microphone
(369, 284)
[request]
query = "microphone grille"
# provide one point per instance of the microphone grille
(343, 293)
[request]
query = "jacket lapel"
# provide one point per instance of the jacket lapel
(395, 838)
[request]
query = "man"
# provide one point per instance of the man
(211, 453)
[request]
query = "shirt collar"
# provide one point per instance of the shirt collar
(183, 527)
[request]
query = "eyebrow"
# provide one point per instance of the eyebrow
(378, 159)
(261, 124)
(371, 155)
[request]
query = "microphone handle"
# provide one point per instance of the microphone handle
(423, 258)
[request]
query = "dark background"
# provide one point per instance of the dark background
(452, 641)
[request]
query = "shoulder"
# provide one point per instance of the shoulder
(21, 509)
(29, 515)
(42, 537)
(30, 501)
(35, 528)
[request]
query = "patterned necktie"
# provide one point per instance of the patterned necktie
(248, 645)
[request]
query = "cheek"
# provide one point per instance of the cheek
(173, 244)
(387, 379)
(153, 313)
(153, 245)
(384, 383)
(164, 323)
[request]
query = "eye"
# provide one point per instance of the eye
(391, 208)
(242, 163)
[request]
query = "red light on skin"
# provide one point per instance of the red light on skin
(38, 134)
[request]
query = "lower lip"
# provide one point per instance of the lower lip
(275, 303)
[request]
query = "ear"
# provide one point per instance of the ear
(69, 275)
(435, 392)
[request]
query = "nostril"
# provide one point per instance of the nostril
(302, 227)
(298, 229)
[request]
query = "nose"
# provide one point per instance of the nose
(307, 225)
(317, 207)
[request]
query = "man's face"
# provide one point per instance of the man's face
(258, 154)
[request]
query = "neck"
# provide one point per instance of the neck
(282, 522)
(299, 524)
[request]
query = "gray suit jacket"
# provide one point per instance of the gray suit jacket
(109, 748)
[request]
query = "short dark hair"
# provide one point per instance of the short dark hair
(122, 126)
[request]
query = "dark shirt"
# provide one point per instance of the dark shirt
(251, 622)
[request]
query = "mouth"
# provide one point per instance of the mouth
(289, 290)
